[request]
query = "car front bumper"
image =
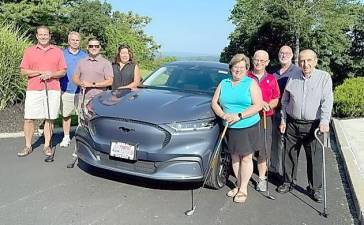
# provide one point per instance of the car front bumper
(185, 168)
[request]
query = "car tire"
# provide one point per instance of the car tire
(220, 171)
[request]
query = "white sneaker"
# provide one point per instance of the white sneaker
(65, 142)
(262, 185)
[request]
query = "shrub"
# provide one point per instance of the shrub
(12, 84)
(349, 98)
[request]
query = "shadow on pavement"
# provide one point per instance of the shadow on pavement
(142, 182)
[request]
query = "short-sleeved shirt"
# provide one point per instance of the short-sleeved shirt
(237, 98)
(67, 84)
(269, 87)
(48, 59)
(124, 76)
(94, 70)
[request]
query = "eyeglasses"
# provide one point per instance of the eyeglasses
(238, 68)
(93, 46)
(284, 53)
(260, 61)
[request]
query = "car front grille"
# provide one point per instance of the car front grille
(147, 136)
(167, 134)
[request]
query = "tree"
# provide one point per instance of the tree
(128, 28)
(28, 14)
(90, 18)
(318, 24)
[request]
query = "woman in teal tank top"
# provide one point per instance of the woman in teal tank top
(237, 100)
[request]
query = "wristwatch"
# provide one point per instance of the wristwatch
(93, 84)
(240, 115)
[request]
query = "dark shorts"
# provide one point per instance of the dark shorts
(244, 141)
(262, 152)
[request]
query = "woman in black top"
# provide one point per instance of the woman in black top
(126, 71)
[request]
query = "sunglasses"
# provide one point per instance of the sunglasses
(93, 46)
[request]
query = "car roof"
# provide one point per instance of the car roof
(209, 64)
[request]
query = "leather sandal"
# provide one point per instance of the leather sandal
(232, 192)
(48, 151)
(240, 197)
(26, 151)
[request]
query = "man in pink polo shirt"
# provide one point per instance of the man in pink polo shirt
(93, 73)
(43, 64)
(270, 91)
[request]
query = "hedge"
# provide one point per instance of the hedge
(349, 98)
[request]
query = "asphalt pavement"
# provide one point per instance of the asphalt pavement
(35, 192)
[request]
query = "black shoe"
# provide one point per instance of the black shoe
(315, 195)
(284, 188)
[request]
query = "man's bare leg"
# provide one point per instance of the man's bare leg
(28, 132)
(48, 131)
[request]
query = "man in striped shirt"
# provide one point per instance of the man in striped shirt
(306, 105)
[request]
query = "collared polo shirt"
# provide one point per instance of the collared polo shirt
(94, 70)
(67, 84)
(49, 59)
(283, 78)
(308, 98)
(269, 87)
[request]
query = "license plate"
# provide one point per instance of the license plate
(122, 150)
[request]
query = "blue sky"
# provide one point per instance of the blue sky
(191, 26)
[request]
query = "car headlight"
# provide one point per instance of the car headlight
(195, 125)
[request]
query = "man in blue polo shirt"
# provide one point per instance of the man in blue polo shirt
(70, 90)
(286, 70)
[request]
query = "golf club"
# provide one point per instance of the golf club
(268, 195)
(81, 111)
(49, 158)
(216, 151)
(326, 142)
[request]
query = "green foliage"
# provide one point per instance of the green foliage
(28, 14)
(12, 84)
(326, 26)
(349, 98)
(90, 18)
(144, 73)
(128, 28)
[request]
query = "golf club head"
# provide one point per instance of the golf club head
(324, 214)
(190, 212)
(270, 197)
(49, 158)
(71, 165)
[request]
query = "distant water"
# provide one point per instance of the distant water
(186, 56)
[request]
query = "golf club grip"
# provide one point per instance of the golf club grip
(264, 119)
(223, 132)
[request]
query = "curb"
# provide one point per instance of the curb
(21, 133)
(356, 181)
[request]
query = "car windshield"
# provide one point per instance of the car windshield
(186, 78)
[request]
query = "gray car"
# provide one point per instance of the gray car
(164, 130)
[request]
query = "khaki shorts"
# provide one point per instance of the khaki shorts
(69, 103)
(36, 106)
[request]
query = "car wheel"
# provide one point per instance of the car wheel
(220, 170)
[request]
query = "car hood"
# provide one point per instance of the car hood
(156, 106)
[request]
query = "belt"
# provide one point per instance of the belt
(290, 118)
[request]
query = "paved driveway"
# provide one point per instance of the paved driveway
(34, 192)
